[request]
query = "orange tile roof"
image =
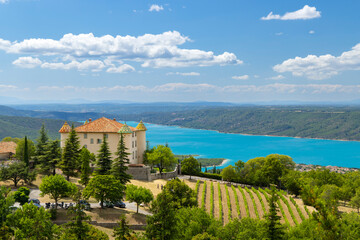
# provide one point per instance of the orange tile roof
(7, 147)
(103, 125)
(65, 128)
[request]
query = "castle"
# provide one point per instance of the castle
(91, 135)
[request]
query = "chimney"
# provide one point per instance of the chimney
(89, 120)
(114, 119)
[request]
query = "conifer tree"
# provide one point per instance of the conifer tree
(26, 152)
(41, 145)
(85, 166)
(71, 154)
(103, 164)
(275, 229)
(51, 159)
(119, 168)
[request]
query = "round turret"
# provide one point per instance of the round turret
(141, 126)
(125, 129)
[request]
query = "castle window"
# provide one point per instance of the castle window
(98, 141)
(106, 135)
(133, 144)
(133, 155)
(85, 135)
(133, 134)
(91, 141)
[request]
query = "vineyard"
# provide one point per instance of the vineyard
(226, 202)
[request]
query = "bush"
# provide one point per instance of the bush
(53, 213)
(22, 195)
(220, 203)
(209, 175)
(203, 196)
(197, 187)
(228, 202)
(212, 200)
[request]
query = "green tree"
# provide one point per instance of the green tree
(292, 182)
(104, 188)
(10, 139)
(57, 187)
(16, 172)
(190, 166)
(51, 158)
(355, 201)
(204, 236)
(122, 231)
(246, 228)
(138, 195)
(22, 195)
(118, 169)
(103, 164)
(31, 222)
(228, 173)
(21, 152)
(162, 224)
(180, 194)
(85, 166)
(275, 229)
(41, 145)
(161, 156)
(6, 201)
(71, 154)
(275, 167)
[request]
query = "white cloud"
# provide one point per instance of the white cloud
(87, 65)
(311, 32)
(306, 12)
(243, 77)
(4, 1)
(279, 34)
(156, 8)
(151, 50)
(121, 69)
(184, 73)
(321, 67)
(27, 62)
(278, 77)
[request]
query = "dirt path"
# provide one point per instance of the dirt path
(258, 205)
(199, 195)
(242, 205)
(224, 204)
(207, 199)
(216, 201)
(234, 212)
(293, 208)
(251, 205)
(286, 210)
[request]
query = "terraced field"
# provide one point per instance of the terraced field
(226, 202)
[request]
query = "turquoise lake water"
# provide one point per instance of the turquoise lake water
(235, 147)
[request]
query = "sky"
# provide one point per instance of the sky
(159, 51)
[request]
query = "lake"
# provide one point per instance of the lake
(212, 144)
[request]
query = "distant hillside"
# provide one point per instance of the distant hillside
(295, 121)
(14, 126)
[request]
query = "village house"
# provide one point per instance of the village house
(91, 135)
(7, 150)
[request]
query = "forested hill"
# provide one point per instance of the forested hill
(15, 126)
(308, 122)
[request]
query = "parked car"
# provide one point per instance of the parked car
(35, 201)
(119, 204)
(108, 204)
(86, 204)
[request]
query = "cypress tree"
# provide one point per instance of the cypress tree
(119, 168)
(26, 152)
(51, 158)
(71, 154)
(103, 164)
(41, 145)
(275, 229)
(85, 166)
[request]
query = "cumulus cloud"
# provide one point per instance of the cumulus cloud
(156, 8)
(4, 1)
(243, 77)
(311, 32)
(121, 69)
(321, 67)
(184, 73)
(27, 62)
(278, 77)
(305, 13)
(151, 50)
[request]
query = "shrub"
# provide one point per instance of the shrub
(22, 195)
(236, 200)
(212, 200)
(253, 201)
(197, 187)
(245, 202)
(203, 196)
(307, 210)
(220, 203)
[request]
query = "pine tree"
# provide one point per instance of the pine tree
(26, 152)
(85, 166)
(103, 164)
(119, 168)
(51, 159)
(71, 154)
(41, 146)
(275, 229)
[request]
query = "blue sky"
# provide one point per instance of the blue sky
(234, 51)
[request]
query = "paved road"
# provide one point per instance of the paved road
(35, 193)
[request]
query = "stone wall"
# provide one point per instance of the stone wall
(140, 173)
(166, 175)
